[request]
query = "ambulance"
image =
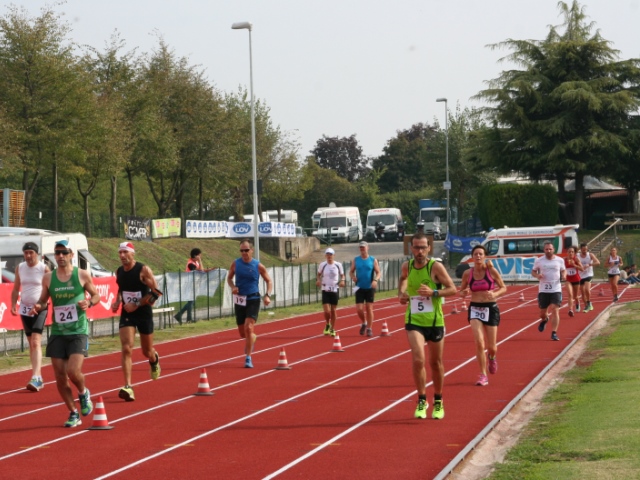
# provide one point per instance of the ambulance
(513, 250)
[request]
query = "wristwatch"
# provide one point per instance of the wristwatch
(436, 293)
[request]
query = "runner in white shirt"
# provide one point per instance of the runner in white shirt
(588, 260)
(330, 277)
(613, 270)
(550, 270)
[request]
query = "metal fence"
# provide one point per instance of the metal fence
(212, 298)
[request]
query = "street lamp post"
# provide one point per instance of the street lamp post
(447, 184)
(256, 238)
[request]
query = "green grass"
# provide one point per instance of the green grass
(588, 426)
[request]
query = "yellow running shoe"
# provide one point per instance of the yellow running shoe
(154, 368)
(438, 410)
(421, 409)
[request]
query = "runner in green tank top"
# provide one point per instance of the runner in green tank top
(423, 283)
(67, 345)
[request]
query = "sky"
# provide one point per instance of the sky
(342, 67)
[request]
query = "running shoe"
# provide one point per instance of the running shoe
(571, 313)
(248, 363)
(438, 410)
(73, 420)
(126, 393)
(588, 308)
(615, 298)
(327, 329)
(554, 336)
(86, 405)
(482, 381)
(363, 328)
(493, 365)
(577, 307)
(543, 324)
(332, 332)
(35, 385)
(369, 332)
(421, 410)
(154, 368)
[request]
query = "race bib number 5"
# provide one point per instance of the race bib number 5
(240, 300)
(479, 313)
(421, 305)
(65, 314)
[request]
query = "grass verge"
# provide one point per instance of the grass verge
(588, 426)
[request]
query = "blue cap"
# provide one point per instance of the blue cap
(62, 243)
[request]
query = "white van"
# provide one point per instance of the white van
(390, 217)
(340, 224)
(286, 216)
(513, 250)
(315, 218)
(248, 218)
(13, 239)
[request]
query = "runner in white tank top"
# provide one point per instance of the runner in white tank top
(588, 260)
(613, 265)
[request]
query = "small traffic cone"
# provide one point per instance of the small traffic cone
(601, 292)
(464, 306)
(203, 385)
(337, 346)
(100, 421)
(454, 310)
(282, 361)
(385, 330)
(521, 297)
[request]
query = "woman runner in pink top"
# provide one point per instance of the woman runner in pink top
(574, 266)
(485, 284)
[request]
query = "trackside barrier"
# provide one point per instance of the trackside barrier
(212, 298)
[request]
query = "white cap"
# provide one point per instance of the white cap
(329, 251)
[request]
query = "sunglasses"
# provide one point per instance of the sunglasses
(245, 250)
(62, 252)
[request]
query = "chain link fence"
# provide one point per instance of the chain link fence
(212, 298)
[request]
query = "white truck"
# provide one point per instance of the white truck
(286, 216)
(13, 238)
(340, 224)
(392, 220)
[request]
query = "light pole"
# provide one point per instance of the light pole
(256, 238)
(447, 183)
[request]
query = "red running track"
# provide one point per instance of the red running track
(333, 415)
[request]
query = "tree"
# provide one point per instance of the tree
(567, 112)
(42, 91)
(342, 155)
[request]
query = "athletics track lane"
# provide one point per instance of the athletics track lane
(257, 433)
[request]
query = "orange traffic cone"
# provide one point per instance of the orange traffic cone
(282, 361)
(454, 310)
(521, 297)
(203, 385)
(337, 346)
(100, 421)
(464, 306)
(385, 330)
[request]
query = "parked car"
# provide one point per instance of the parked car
(300, 232)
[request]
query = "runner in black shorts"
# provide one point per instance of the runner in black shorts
(430, 334)
(330, 278)
(138, 291)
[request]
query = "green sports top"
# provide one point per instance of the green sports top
(68, 319)
(423, 311)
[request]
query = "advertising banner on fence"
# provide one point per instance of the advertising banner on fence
(106, 286)
(461, 244)
(206, 229)
(265, 229)
(137, 228)
(165, 227)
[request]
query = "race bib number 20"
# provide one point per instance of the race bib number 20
(479, 313)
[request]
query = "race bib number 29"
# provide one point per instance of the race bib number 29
(132, 297)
